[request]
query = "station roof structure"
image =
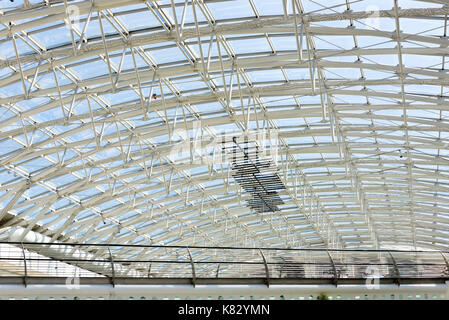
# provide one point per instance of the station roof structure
(120, 121)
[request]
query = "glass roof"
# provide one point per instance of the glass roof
(120, 121)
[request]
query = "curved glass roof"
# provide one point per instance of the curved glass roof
(137, 122)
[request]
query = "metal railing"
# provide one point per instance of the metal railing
(140, 264)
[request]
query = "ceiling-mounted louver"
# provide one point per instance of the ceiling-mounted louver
(256, 175)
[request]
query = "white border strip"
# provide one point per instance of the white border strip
(216, 291)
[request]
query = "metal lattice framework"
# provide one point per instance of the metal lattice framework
(94, 96)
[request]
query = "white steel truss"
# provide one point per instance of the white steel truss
(96, 95)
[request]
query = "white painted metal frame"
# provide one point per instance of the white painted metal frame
(85, 158)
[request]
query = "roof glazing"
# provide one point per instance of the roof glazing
(112, 116)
